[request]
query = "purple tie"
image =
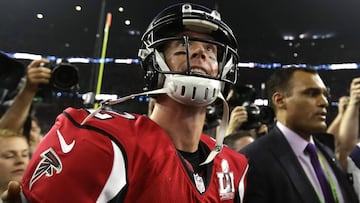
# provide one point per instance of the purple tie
(324, 183)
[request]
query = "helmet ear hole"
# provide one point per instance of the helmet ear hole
(151, 76)
(149, 80)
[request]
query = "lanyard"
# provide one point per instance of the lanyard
(331, 182)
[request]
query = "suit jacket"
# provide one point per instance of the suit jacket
(275, 174)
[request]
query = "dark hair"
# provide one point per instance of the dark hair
(280, 80)
(231, 138)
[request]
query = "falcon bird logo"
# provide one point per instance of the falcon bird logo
(49, 163)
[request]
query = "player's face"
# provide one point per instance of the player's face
(14, 158)
(203, 56)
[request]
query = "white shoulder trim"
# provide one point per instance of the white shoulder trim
(242, 184)
(117, 178)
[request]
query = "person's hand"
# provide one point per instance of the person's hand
(238, 116)
(37, 74)
(343, 102)
(262, 130)
(355, 91)
(12, 194)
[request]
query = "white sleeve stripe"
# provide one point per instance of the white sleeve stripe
(117, 179)
(242, 184)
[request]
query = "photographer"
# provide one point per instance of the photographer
(245, 115)
(238, 117)
(16, 115)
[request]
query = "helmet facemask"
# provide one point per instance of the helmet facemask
(192, 86)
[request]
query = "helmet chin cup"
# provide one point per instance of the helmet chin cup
(192, 90)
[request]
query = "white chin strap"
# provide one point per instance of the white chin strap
(219, 137)
(112, 102)
(174, 92)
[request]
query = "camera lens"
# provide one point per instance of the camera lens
(65, 76)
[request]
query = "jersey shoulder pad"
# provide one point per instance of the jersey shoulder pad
(84, 117)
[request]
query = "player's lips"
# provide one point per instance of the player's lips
(198, 69)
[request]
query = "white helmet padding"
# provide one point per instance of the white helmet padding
(193, 90)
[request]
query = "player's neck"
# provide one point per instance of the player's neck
(182, 123)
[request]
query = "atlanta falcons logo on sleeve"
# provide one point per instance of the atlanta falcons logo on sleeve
(49, 162)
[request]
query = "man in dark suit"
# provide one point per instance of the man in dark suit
(281, 169)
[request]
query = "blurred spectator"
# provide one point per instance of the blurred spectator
(14, 157)
(238, 116)
(348, 145)
(11, 72)
(212, 120)
(241, 103)
(238, 121)
(260, 131)
(238, 139)
(35, 134)
(335, 124)
(15, 116)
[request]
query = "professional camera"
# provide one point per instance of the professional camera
(245, 95)
(11, 72)
(213, 113)
(257, 115)
(64, 77)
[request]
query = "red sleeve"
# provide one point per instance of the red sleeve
(73, 163)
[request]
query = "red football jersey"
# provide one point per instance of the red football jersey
(121, 157)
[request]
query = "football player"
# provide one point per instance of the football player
(188, 54)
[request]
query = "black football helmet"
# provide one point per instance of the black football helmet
(199, 89)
